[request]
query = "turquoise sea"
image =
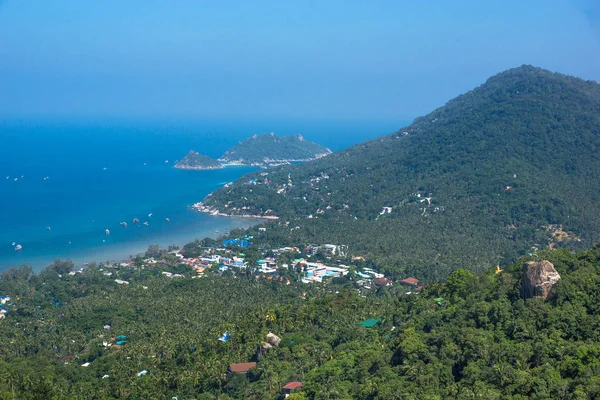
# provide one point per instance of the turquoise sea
(81, 177)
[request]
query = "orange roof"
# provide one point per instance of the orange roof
(410, 281)
(241, 368)
(293, 386)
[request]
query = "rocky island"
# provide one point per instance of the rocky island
(270, 150)
(197, 161)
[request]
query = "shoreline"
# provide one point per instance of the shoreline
(199, 168)
(120, 252)
(271, 162)
(201, 207)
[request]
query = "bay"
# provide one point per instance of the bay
(63, 183)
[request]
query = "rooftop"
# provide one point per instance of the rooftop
(370, 322)
(241, 368)
(410, 281)
(293, 386)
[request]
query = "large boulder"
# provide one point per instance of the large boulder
(539, 279)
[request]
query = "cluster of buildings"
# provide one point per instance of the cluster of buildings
(277, 266)
(229, 259)
(315, 272)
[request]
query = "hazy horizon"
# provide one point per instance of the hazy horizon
(294, 60)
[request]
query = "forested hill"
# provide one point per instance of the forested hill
(270, 148)
(195, 160)
(473, 337)
(478, 181)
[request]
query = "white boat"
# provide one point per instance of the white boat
(107, 232)
(146, 223)
(150, 215)
(18, 247)
(167, 219)
(14, 243)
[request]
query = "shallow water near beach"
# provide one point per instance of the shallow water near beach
(63, 184)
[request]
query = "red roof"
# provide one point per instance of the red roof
(410, 281)
(241, 368)
(293, 386)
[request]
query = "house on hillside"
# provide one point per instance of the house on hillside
(290, 387)
(382, 282)
(240, 368)
(410, 282)
(370, 323)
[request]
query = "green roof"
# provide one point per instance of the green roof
(370, 322)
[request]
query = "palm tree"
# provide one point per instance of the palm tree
(270, 317)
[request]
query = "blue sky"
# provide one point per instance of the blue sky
(277, 59)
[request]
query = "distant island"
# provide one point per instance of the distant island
(270, 149)
(195, 160)
(267, 150)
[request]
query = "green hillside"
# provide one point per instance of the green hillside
(195, 160)
(476, 182)
(270, 148)
(474, 337)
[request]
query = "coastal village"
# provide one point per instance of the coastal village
(309, 265)
(235, 258)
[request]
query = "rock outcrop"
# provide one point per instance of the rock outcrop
(538, 279)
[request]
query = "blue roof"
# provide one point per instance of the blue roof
(236, 242)
(225, 337)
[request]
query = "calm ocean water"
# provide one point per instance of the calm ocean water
(99, 174)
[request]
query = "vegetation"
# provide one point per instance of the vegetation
(508, 166)
(269, 148)
(195, 160)
(475, 336)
